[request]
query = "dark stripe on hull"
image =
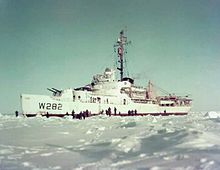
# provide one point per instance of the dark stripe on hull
(122, 114)
(49, 115)
(147, 114)
(30, 115)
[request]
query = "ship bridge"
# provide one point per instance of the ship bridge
(106, 84)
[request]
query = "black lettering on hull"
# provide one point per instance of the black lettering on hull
(41, 105)
(50, 106)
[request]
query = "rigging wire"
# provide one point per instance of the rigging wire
(162, 90)
(126, 63)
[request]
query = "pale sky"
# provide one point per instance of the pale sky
(63, 43)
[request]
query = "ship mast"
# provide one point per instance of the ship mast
(120, 44)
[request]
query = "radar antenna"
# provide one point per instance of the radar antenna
(120, 45)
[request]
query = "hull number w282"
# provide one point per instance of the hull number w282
(50, 106)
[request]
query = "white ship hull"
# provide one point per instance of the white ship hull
(33, 105)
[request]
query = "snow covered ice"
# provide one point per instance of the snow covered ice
(155, 143)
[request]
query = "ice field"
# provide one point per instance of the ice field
(170, 142)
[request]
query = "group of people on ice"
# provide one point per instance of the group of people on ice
(81, 115)
(130, 112)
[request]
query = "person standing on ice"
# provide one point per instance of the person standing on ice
(16, 113)
(80, 115)
(115, 110)
(84, 114)
(135, 111)
(87, 113)
(129, 112)
(109, 111)
(73, 114)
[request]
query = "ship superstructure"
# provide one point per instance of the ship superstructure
(106, 95)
